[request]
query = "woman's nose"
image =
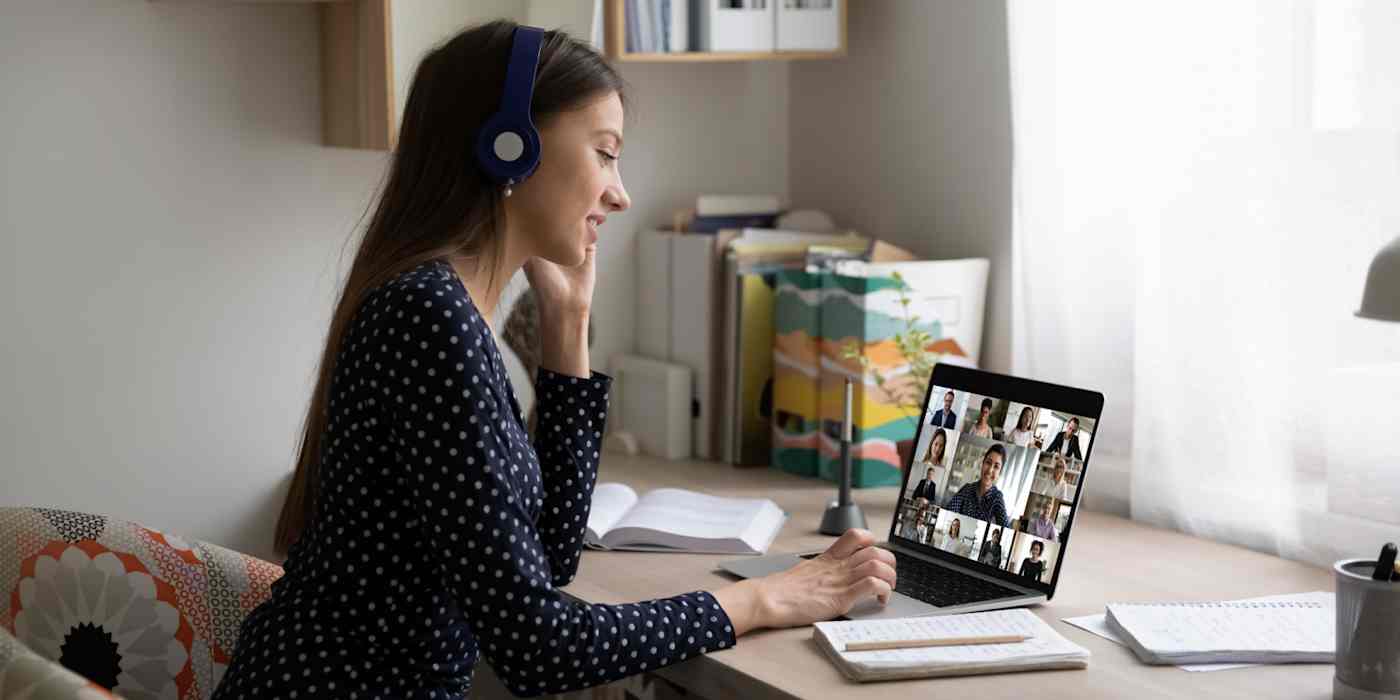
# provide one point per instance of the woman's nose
(616, 197)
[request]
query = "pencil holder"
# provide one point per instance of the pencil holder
(1368, 634)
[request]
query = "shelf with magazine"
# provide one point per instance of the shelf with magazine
(700, 31)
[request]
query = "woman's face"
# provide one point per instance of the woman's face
(956, 528)
(556, 213)
(936, 448)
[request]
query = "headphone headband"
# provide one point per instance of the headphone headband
(508, 146)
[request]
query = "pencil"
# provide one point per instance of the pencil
(939, 642)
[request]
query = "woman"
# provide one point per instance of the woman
(424, 528)
(937, 446)
(1032, 567)
(1023, 432)
(991, 549)
(952, 536)
(983, 428)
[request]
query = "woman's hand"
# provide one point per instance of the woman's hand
(826, 586)
(564, 296)
(563, 291)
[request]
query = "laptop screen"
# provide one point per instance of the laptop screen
(995, 475)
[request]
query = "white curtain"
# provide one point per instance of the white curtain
(1198, 190)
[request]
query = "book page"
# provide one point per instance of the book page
(1045, 642)
(611, 501)
(691, 514)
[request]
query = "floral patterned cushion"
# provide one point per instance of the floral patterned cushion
(136, 611)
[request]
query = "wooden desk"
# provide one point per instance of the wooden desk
(1110, 559)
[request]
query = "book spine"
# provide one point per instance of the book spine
(632, 28)
(665, 26)
(712, 224)
(730, 205)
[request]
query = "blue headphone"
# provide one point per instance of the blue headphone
(508, 147)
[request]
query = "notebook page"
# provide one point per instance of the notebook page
(1280, 627)
(1097, 624)
(1045, 641)
(692, 514)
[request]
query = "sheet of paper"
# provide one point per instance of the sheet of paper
(1096, 624)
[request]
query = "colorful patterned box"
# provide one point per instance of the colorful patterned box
(817, 312)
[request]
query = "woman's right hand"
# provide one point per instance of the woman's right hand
(828, 585)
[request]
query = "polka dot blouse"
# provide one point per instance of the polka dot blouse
(442, 533)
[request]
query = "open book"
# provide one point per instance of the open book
(676, 520)
(1044, 650)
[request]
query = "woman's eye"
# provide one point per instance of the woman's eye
(607, 157)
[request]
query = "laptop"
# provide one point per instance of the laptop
(986, 509)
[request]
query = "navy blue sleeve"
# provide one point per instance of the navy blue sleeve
(463, 454)
(568, 434)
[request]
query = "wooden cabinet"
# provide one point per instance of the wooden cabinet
(357, 75)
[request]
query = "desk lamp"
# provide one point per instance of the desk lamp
(842, 513)
(1381, 300)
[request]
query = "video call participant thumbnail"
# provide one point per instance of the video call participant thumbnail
(1042, 523)
(944, 417)
(1067, 442)
(983, 427)
(1024, 432)
(982, 499)
(1056, 485)
(937, 448)
(926, 488)
(991, 549)
(1033, 567)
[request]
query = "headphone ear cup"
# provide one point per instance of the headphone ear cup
(508, 152)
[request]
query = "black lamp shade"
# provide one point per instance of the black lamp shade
(1381, 300)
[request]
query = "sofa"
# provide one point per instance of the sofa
(94, 606)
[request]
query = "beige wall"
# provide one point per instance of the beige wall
(170, 233)
(909, 137)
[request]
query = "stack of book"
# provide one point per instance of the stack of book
(713, 295)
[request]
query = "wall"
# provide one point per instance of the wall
(909, 138)
(171, 231)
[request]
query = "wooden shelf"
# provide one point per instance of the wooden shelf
(615, 44)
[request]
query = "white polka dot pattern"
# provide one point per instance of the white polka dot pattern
(442, 532)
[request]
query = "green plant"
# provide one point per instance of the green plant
(912, 344)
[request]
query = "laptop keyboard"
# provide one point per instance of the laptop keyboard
(943, 586)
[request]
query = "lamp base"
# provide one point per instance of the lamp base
(1342, 691)
(838, 518)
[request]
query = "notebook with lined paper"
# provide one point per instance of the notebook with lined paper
(1046, 648)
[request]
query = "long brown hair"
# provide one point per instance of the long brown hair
(435, 203)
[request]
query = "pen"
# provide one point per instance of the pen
(1385, 565)
(939, 642)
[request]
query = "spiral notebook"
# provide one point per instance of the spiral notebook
(1266, 632)
(1046, 649)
